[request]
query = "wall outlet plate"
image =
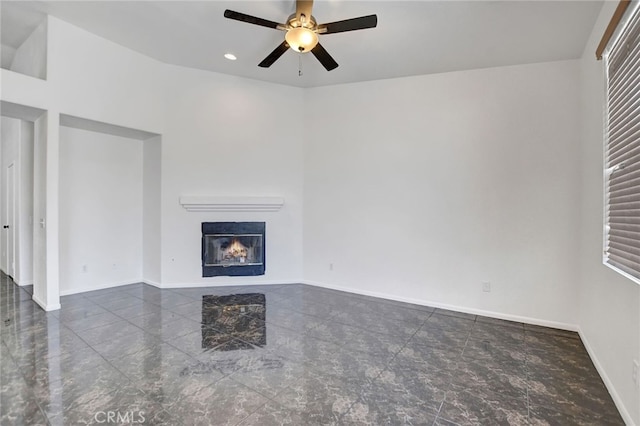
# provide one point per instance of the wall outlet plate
(486, 287)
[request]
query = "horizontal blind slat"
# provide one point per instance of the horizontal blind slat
(631, 205)
(630, 171)
(625, 192)
(618, 214)
(624, 252)
(629, 153)
(615, 233)
(618, 217)
(632, 60)
(626, 227)
(624, 126)
(626, 243)
(625, 265)
(622, 184)
(620, 88)
(618, 111)
(623, 90)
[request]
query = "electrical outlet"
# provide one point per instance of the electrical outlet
(84, 269)
(331, 266)
(486, 287)
(635, 372)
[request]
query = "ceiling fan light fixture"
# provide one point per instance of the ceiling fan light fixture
(301, 39)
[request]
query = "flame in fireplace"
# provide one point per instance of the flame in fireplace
(236, 250)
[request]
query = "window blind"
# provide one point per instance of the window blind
(622, 156)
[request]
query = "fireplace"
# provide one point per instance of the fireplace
(233, 249)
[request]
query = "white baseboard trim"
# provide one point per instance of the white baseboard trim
(422, 302)
(222, 284)
(100, 287)
(607, 382)
(473, 311)
(176, 285)
(152, 283)
(23, 283)
(44, 305)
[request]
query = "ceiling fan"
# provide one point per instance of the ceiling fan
(302, 32)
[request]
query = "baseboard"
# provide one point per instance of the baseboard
(152, 283)
(473, 311)
(175, 285)
(44, 305)
(101, 287)
(607, 382)
(222, 284)
(18, 283)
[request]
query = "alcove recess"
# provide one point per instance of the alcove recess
(25, 51)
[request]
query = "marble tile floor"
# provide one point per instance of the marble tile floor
(283, 354)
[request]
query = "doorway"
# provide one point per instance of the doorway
(10, 227)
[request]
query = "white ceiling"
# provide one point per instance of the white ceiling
(412, 37)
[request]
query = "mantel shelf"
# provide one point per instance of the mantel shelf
(196, 203)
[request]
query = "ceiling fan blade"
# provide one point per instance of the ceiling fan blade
(251, 19)
(273, 56)
(323, 56)
(361, 23)
(304, 7)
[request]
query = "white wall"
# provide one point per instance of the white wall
(609, 314)
(31, 57)
(92, 78)
(101, 197)
(151, 204)
(221, 135)
(25, 205)
(231, 136)
(41, 291)
(424, 187)
(6, 55)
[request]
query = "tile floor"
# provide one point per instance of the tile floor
(288, 354)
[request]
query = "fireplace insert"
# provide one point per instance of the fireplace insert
(233, 248)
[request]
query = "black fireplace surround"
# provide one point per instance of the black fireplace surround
(233, 249)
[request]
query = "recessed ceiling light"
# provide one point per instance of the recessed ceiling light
(230, 56)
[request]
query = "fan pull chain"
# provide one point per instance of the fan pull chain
(299, 65)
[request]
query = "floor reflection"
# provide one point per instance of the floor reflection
(238, 319)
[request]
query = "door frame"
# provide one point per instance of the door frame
(10, 191)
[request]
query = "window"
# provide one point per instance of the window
(622, 155)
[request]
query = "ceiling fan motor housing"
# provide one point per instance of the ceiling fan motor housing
(293, 22)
